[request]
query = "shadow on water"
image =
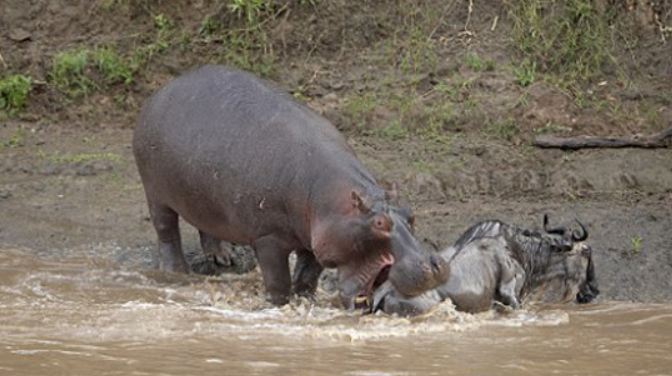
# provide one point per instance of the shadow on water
(83, 317)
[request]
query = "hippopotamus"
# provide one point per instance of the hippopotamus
(496, 263)
(243, 162)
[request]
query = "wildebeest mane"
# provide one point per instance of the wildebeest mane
(530, 248)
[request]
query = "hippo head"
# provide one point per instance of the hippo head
(571, 268)
(372, 243)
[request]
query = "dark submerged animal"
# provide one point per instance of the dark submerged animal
(495, 262)
(245, 163)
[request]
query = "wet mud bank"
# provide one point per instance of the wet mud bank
(72, 193)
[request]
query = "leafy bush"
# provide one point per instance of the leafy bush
(13, 92)
(68, 73)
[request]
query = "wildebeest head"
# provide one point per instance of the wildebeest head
(373, 242)
(568, 272)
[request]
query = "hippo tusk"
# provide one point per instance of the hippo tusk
(583, 235)
(362, 302)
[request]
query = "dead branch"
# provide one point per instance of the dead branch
(658, 140)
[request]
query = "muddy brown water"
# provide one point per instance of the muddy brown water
(76, 317)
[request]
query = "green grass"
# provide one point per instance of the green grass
(438, 118)
(250, 10)
(569, 40)
(68, 73)
(81, 71)
(394, 131)
(162, 23)
(525, 74)
(475, 63)
(249, 50)
(417, 54)
(636, 244)
(505, 129)
(209, 26)
(112, 67)
(83, 157)
(15, 140)
(14, 91)
(358, 107)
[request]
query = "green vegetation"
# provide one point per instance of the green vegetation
(635, 245)
(162, 23)
(14, 90)
(569, 40)
(525, 73)
(417, 53)
(393, 131)
(79, 72)
(68, 73)
(112, 66)
(505, 129)
(84, 157)
(359, 107)
(15, 140)
(209, 26)
(248, 49)
(249, 9)
(475, 63)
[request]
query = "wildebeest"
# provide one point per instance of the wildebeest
(496, 262)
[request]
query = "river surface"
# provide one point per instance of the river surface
(82, 317)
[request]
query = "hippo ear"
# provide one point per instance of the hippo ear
(392, 194)
(358, 203)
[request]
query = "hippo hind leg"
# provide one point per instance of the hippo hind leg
(165, 221)
(306, 273)
(214, 248)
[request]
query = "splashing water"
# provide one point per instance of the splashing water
(80, 317)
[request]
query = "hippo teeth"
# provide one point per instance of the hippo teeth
(384, 264)
(362, 302)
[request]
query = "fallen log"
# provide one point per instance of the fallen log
(658, 140)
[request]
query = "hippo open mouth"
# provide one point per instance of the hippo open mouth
(383, 265)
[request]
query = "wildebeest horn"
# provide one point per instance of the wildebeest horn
(554, 230)
(580, 236)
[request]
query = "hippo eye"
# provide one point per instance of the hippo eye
(381, 222)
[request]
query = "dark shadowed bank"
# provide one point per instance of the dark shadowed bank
(442, 97)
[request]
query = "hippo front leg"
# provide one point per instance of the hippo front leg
(306, 273)
(272, 255)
